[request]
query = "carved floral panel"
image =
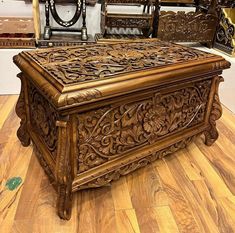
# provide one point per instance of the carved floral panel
(111, 131)
(43, 118)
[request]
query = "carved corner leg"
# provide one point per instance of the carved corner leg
(211, 134)
(64, 172)
(20, 109)
(65, 201)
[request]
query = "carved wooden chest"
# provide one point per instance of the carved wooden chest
(97, 112)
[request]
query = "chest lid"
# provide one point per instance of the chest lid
(71, 76)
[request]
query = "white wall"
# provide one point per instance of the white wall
(227, 88)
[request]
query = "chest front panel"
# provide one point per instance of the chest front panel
(114, 130)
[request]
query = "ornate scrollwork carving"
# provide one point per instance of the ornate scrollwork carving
(79, 64)
(142, 162)
(186, 27)
(225, 35)
(22, 133)
(111, 131)
(211, 134)
(43, 118)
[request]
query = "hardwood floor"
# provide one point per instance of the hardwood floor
(190, 191)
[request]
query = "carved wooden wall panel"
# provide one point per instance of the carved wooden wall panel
(183, 27)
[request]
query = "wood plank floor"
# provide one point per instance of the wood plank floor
(192, 191)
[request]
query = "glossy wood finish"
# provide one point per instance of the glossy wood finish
(119, 108)
(189, 191)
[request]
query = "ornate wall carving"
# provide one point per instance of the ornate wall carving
(191, 26)
(43, 118)
(225, 35)
(111, 131)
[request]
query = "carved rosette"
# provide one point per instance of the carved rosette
(22, 133)
(211, 134)
(112, 131)
(105, 179)
(43, 118)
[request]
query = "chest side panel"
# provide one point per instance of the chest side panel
(43, 117)
(111, 131)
